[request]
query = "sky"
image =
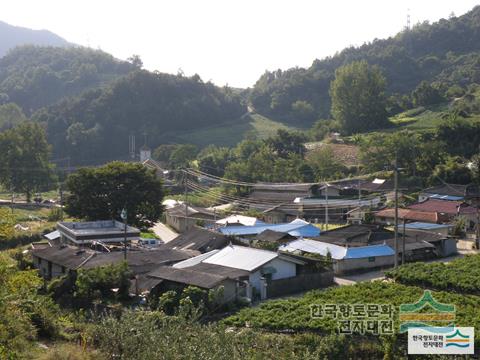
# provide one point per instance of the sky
(225, 41)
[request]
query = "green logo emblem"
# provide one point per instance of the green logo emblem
(420, 314)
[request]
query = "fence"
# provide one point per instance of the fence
(299, 283)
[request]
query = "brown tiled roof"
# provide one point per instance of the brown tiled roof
(443, 206)
(415, 215)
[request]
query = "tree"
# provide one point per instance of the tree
(213, 160)
(303, 110)
(10, 116)
(425, 94)
(101, 193)
(358, 98)
(136, 61)
(182, 155)
(285, 143)
(454, 171)
(24, 161)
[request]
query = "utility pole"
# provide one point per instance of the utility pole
(13, 196)
(403, 243)
(123, 215)
(326, 206)
(60, 189)
(185, 199)
(396, 208)
(359, 194)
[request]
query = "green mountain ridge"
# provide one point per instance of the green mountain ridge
(444, 53)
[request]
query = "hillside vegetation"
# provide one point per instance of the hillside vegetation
(445, 53)
(35, 76)
(95, 126)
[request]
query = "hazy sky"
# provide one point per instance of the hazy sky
(226, 41)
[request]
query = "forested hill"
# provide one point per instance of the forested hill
(95, 126)
(13, 36)
(35, 76)
(443, 53)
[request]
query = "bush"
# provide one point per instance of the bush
(98, 282)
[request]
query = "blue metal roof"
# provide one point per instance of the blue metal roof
(298, 228)
(368, 251)
(445, 197)
(426, 226)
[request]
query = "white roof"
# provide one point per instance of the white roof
(238, 219)
(170, 203)
(195, 260)
(316, 247)
(240, 257)
(53, 235)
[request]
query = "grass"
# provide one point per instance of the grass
(230, 134)
(420, 118)
(36, 220)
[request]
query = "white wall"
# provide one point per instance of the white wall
(284, 269)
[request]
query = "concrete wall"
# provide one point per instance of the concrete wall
(299, 283)
(285, 269)
(351, 265)
(449, 247)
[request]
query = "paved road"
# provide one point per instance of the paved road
(164, 232)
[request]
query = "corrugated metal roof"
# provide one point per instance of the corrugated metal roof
(53, 235)
(445, 197)
(240, 220)
(315, 247)
(297, 227)
(195, 260)
(337, 252)
(426, 226)
(369, 251)
(241, 257)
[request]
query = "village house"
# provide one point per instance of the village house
(420, 244)
(282, 213)
(452, 192)
(344, 259)
(87, 233)
(451, 209)
(182, 217)
(257, 274)
(53, 261)
(387, 216)
(296, 228)
(199, 239)
(362, 247)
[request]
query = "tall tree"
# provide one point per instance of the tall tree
(358, 97)
(24, 161)
(101, 193)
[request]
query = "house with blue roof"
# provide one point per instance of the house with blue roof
(345, 259)
(296, 228)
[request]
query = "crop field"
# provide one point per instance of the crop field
(294, 314)
(460, 275)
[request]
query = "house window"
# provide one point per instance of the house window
(371, 259)
(39, 261)
(63, 269)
